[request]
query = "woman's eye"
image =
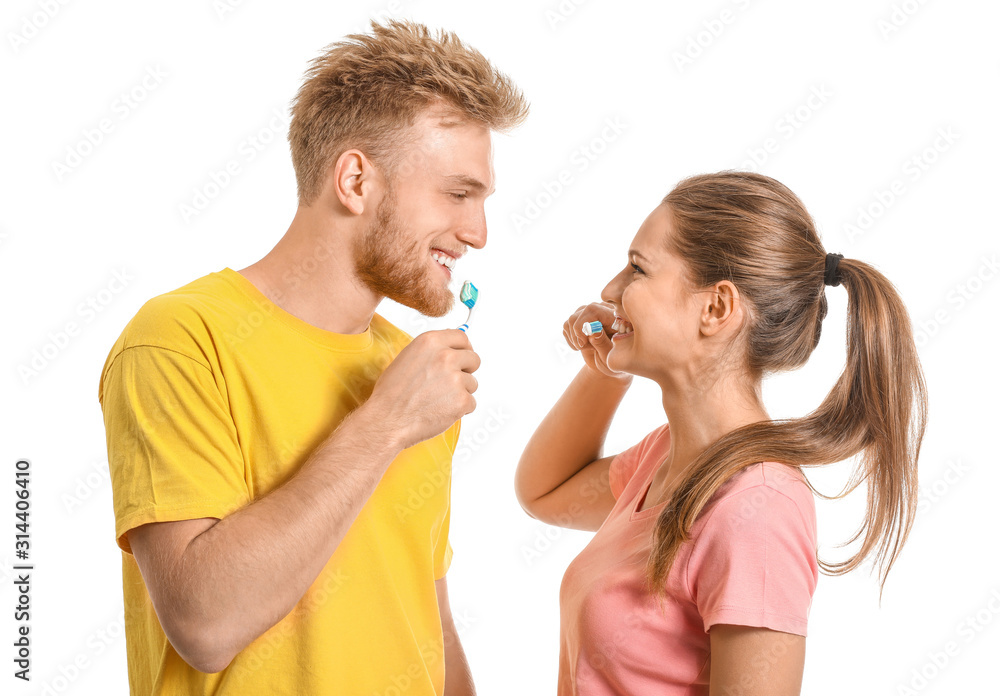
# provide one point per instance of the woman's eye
(635, 269)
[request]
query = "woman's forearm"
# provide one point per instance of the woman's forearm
(571, 436)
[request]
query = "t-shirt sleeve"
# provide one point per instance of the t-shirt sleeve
(442, 544)
(624, 466)
(754, 562)
(173, 450)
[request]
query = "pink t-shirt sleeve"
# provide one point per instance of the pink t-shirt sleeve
(754, 561)
(624, 466)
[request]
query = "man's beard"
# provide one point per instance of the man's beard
(399, 273)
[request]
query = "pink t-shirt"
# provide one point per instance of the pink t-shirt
(751, 560)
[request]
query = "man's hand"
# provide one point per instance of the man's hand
(427, 387)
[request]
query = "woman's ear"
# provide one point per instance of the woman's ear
(722, 308)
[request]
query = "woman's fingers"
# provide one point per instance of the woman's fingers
(573, 327)
(601, 342)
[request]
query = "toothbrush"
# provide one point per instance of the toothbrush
(468, 296)
(592, 327)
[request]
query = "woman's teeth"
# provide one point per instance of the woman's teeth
(445, 260)
(620, 326)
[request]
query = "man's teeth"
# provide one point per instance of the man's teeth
(445, 260)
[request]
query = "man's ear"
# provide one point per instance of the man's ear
(722, 308)
(353, 180)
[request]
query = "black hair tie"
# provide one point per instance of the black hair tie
(830, 276)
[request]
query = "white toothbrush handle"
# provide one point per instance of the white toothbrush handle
(465, 326)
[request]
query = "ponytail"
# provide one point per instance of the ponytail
(877, 408)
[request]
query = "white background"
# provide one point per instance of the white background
(894, 75)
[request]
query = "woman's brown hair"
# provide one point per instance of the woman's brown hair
(754, 232)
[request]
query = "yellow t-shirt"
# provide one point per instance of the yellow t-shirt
(213, 396)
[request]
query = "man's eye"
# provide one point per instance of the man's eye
(460, 196)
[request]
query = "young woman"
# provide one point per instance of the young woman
(701, 574)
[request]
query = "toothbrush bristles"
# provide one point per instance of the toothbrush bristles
(469, 294)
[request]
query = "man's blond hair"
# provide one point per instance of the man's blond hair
(365, 91)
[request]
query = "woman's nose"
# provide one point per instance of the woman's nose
(612, 292)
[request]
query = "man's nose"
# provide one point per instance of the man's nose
(474, 232)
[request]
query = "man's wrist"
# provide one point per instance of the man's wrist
(369, 429)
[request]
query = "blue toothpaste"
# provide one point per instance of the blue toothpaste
(468, 296)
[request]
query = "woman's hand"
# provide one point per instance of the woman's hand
(562, 479)
(594, 348)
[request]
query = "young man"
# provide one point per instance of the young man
(280, 454)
